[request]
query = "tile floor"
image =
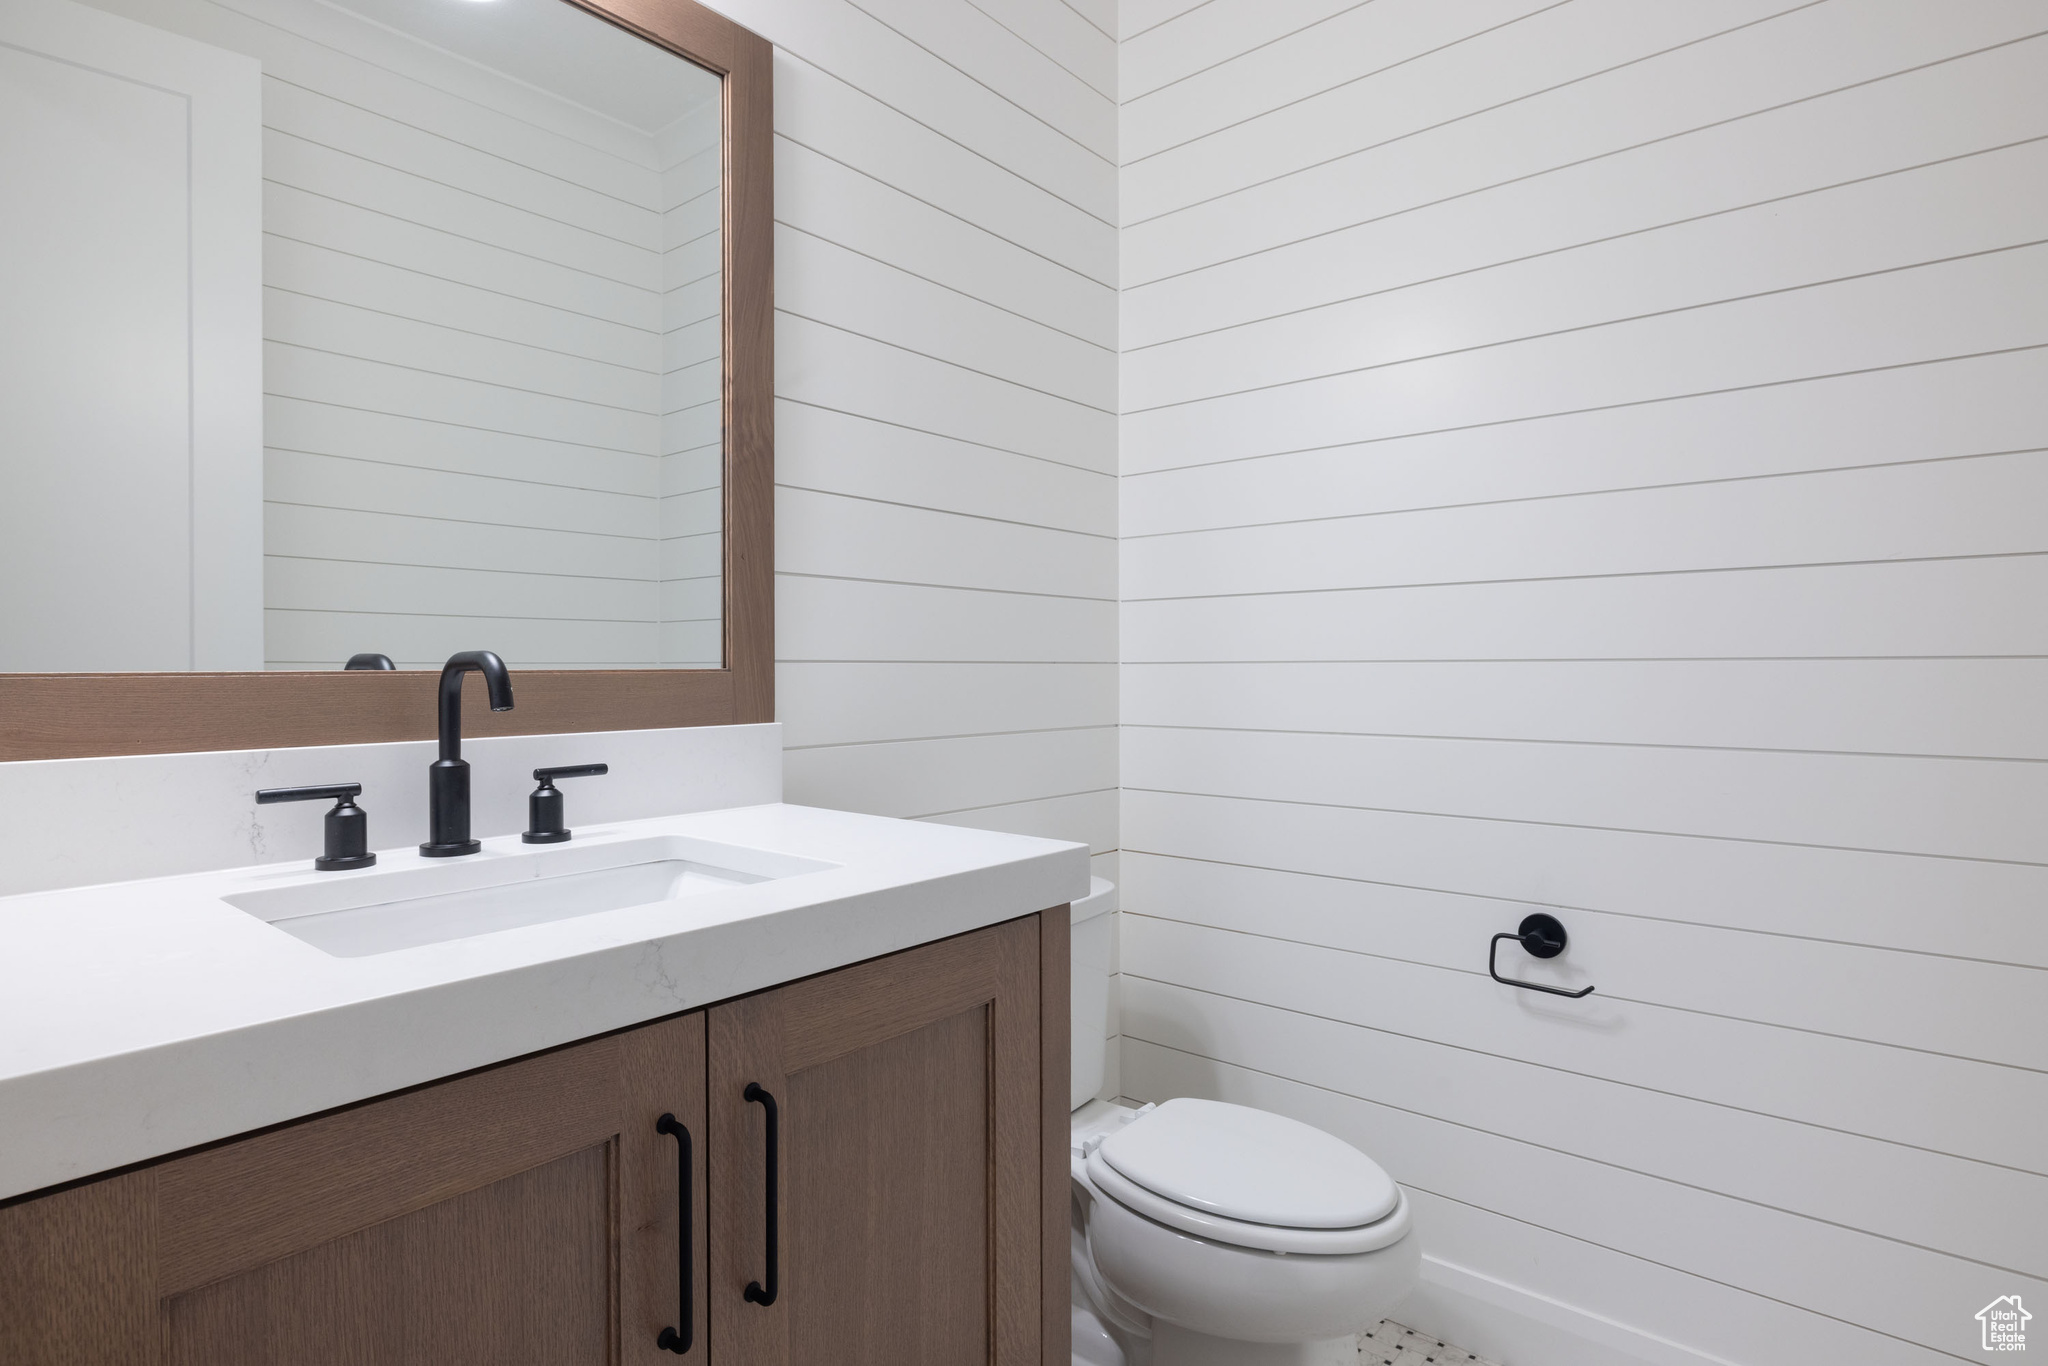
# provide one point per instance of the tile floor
(1390, 1344)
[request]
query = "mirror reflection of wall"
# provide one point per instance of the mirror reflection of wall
(490, 356)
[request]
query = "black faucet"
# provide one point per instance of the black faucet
(544, 808)
(348, 829)
(448, 776)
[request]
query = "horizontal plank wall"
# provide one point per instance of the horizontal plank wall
(466, 396)
(692, 391)
(1591, 457)
(945, 409)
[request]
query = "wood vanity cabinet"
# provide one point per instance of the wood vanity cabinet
(529, 1212)
(908, 1100)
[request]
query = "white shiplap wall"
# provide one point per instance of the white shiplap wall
(692, 521)
(463, 351)
(1591, 456)
(945, 278)
(384, 539)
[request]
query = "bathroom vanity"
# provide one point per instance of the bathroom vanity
(808, 1108)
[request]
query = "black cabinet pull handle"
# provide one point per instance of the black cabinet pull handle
(671, 1340)
(754, 1294)
(1544, 937)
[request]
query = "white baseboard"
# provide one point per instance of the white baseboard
(1519, 1327)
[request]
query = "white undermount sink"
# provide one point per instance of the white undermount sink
(382, 909)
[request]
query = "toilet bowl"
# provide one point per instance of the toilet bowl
(1209, 1234)
(1239, 1237)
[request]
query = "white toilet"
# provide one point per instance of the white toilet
(1208, 1234)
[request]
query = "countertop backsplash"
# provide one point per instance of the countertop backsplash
(74, 822)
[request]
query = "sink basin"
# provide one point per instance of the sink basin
(380, 910)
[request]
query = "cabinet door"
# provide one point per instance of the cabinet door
(524, 1214)
(907, 1095)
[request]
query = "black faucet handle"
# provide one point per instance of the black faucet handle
(373, 663)
(544, 806)
(347, 825)
(544, 776)
(341, 792)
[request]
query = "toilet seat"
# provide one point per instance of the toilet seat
(1328, 1242)
(1250, 1179)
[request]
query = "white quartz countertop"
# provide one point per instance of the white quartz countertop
(142, 1018)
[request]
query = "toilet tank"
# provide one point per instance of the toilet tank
(1094, 949)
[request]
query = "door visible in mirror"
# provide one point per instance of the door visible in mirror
(489, 357)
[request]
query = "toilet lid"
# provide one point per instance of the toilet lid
(1250, 1165)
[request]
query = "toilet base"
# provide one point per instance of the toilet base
(1094, 1344)
(1173, 1345)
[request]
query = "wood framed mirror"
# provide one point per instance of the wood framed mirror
(477, 197)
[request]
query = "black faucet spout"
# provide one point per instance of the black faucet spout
(448, 776)
(497, 685)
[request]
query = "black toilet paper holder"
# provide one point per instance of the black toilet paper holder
(1542, 934)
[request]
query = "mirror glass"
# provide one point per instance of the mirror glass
(482, 247)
